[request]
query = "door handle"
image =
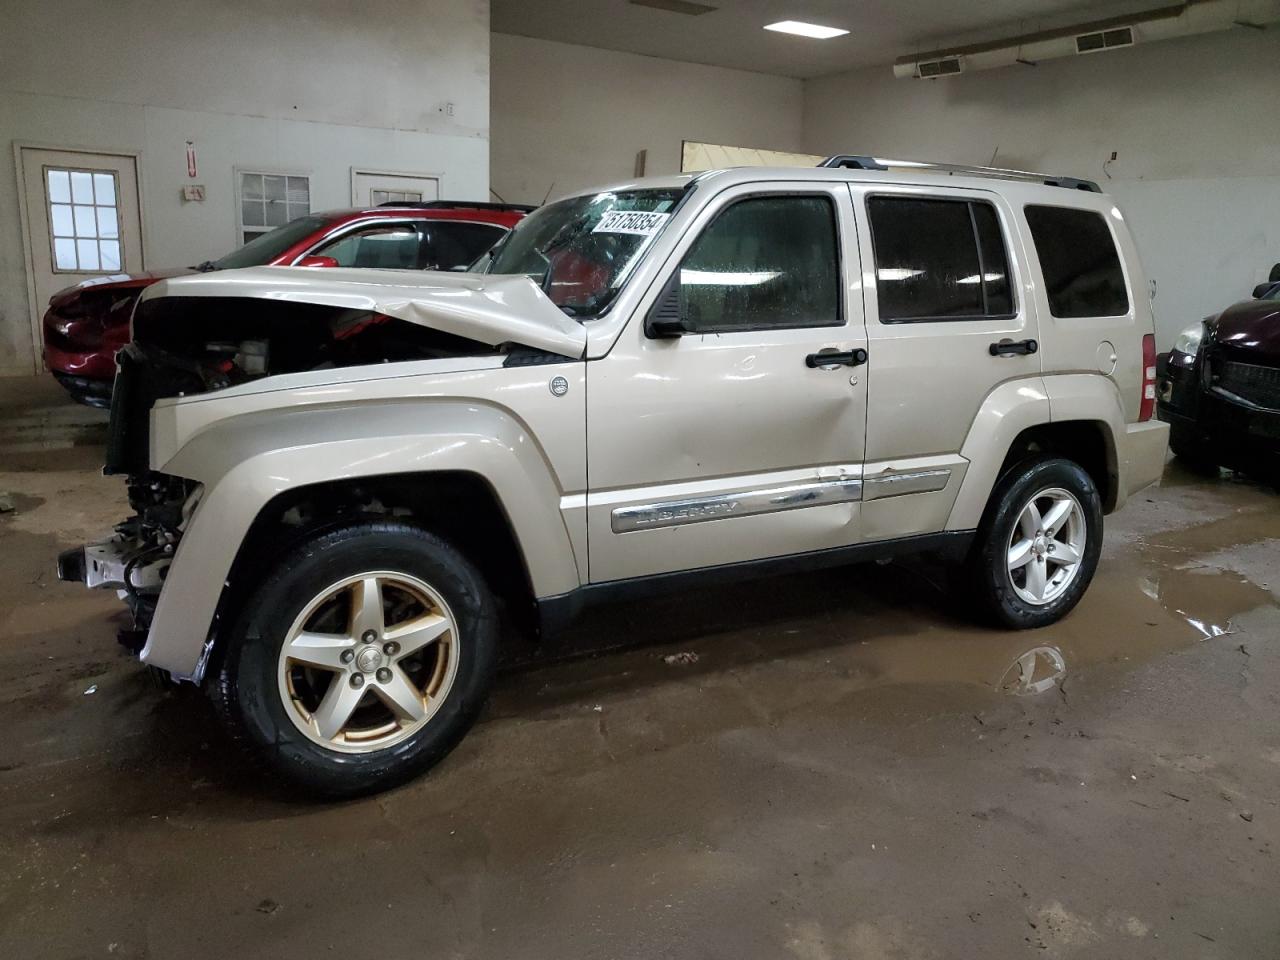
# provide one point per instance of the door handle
(832, 358)
(1011, 348)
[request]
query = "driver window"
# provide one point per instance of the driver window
(764, 263)
(391, 246)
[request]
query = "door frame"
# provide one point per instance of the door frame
(372, 172)
(34, 308)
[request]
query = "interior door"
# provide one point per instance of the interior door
(743, 438)
(372, 189)
(83, 220)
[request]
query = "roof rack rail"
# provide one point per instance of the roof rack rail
(459, 205)
(878, 163)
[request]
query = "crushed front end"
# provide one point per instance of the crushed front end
(134, 560)
(192, 348)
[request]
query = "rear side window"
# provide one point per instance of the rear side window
(449, 244)
(1082, 274)
(764, 263)
(939, 260)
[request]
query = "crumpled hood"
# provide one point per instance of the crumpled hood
(489, 308)
(1250, 330)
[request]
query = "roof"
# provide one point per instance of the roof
(914, 173)
(500, 217)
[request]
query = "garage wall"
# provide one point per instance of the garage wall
(1195, 122)
(566, 117)
(315, 88)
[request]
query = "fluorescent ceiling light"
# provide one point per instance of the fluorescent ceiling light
(801, 29)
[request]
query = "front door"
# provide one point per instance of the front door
(737, 440)
(83, 220)
(373, 189)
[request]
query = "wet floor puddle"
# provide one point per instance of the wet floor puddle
(896, 625)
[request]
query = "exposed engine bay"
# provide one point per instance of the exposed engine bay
(209, 343)
(184, 346)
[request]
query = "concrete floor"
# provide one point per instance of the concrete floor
(843, 772)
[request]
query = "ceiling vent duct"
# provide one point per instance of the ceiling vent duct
(1162, 23)
(1104, 40)
(932, 69)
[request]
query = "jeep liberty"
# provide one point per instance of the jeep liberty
(345, 479)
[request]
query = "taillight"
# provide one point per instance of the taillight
(1148, 406)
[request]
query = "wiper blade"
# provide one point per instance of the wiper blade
(206, 266)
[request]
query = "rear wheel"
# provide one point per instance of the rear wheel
(362, 661)
(1038, 545)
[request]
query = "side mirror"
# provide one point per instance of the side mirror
(317, 261)
(1261, 290)
(666, 318)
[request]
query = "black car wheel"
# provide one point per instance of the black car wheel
(1038, 545)
(362, 661)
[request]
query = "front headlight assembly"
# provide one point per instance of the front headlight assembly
(1188, 341)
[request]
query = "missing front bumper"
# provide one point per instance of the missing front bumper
(113, 563)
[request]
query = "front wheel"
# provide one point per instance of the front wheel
(1038, 545)
(362, 661)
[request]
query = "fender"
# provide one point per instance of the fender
(1010, 408)
(245, 461)
(1093, 397)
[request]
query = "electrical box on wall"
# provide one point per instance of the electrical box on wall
(193, 192)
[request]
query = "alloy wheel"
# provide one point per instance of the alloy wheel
(368, 661)
(1046, 546)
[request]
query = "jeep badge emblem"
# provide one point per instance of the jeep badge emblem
(559, 386)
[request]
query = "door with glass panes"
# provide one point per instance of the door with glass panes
(83, 221)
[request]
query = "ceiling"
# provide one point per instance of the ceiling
(731, 35)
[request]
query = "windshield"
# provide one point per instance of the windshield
(265, 248)
(581, 250)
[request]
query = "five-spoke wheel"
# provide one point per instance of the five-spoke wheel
(362, 659)
(1038, 544)
(1046, 545)
(368, 661)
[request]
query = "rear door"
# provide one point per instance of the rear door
(735, 441)
(948, 320)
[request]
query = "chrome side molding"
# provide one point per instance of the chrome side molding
(742, 503)
(897, 484)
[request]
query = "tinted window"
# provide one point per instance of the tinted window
(939, 259)
(1078, 258)
(392, 246)
(447, 244)
(995, 263)
(268, 246)
(764, 262)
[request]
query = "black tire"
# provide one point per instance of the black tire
(986, 575)
(246, 689)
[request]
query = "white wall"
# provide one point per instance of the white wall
(1195, 122)
(315, 88)
(566, 117)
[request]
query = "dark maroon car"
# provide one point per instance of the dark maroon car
(87, 323)
(1219, 387)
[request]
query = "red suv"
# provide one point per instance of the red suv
(87, 323)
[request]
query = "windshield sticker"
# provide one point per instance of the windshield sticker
(634, 222)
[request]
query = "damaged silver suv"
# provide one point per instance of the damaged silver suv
(344, 479)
